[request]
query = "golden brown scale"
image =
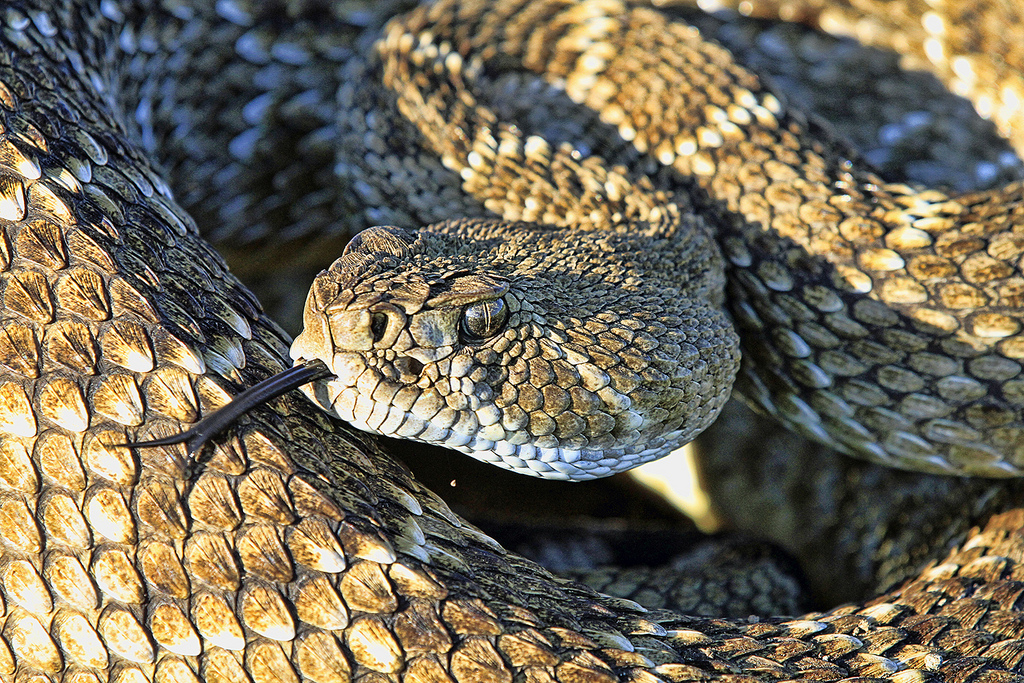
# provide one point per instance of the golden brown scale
(296, 549)
(956, 42)
(876, 317)
(605, 381)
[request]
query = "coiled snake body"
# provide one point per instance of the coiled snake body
(878, 318)
(296, 549)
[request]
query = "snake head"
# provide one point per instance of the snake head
(501, 341)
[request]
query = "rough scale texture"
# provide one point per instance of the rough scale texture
(877, 317)
(595, 363)
(296, 549)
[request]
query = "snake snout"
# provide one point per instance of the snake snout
(355, 330)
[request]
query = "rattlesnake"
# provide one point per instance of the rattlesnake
(592, 337)
(295, 547)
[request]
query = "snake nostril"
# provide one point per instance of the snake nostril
(378, 326)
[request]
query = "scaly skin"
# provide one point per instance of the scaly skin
(876, 317)
(297, 549)
(571, 387)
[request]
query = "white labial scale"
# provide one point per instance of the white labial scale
(487, 456)
(493, 432)
(480, 434)
(459, 441)
(434, 433)
(549, 454)
(514, 462)
(378, 414)
(368, 381)
(565, 471)
(571, 456)
(344, 403)
(393, 421)
(518, 438)
(411, 427)
(347, 367)
(481, 444)
(488, 415)
(540, 467)
(363, 407)
(468, 426)
(504, 449)
(426, 406)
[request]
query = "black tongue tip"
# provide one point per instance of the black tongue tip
(258, 394)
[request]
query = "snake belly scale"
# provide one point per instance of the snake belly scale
(300, 550)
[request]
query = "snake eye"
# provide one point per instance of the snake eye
(483, 320)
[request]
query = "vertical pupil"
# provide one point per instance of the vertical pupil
(485, 319)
